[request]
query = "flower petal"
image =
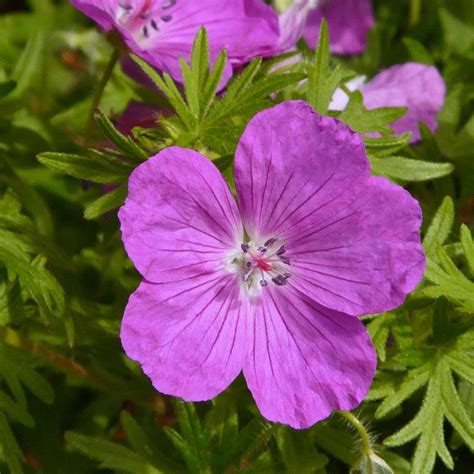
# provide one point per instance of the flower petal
(179, 216)
(98, 10)
(292, 23)
(305, 361)
(366, 256)
(188, 335)
(349, 22)
(245, 28)
(291, 162)
(418, 87)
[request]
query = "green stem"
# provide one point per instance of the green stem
(415, 11)
(109, 69)
(364, 436)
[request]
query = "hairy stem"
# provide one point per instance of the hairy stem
(364, 436)
(107, 74)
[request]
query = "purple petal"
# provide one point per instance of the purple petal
(162, 34)
(418, 87)
(179, 216)
(353, 242)
(349, 22)
(305, 361)
(97, 10)
(364, 258)
(290, 161)
(292, 24)
(188, 335)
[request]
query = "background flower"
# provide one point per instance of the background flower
(418, 87)
(161, 31)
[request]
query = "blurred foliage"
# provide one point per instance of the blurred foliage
(69, 398)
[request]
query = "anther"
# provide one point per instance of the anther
(245, 247)
(279, 280)
(285, 259)
(262, 249)
(145, 31)
(154, 25)
(281, 250)
(263, 282)
(270, 242)
(166, 18)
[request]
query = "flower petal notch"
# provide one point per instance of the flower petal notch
(272, 286)
(162, 31)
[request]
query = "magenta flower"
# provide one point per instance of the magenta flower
(271, 286)
(418, 87)
(161, 31)
(349, 22)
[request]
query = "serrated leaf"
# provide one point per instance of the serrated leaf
(362, 120)
(407, 169)
(322, 78)
(440, 226)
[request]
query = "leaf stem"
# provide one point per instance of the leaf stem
(107, 74)
(364, 436)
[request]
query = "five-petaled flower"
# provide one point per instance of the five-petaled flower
(271, 286)
(162, 31)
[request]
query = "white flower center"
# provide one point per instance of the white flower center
(260, 265)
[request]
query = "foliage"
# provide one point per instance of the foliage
(69, 398)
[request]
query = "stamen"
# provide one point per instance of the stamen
(145, 31)
(245, 248)
(270, 242)
(280, 280)
(263, 282)
(281, 250)
(166, 18)
(285, 259)
(154, 25)
(262, 249)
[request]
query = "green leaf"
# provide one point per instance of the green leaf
(418, 52)
(10, 451)
(375, 120)
(468, 247)
(83, 167)
(441, 322)
(440, 227)
(106, 203)
(126, 144)
(322, 78)
(110, 455)
(407, 169)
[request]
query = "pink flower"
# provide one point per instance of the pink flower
(418, 87)
(271, 286)
(160, 31)
(349, 22)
